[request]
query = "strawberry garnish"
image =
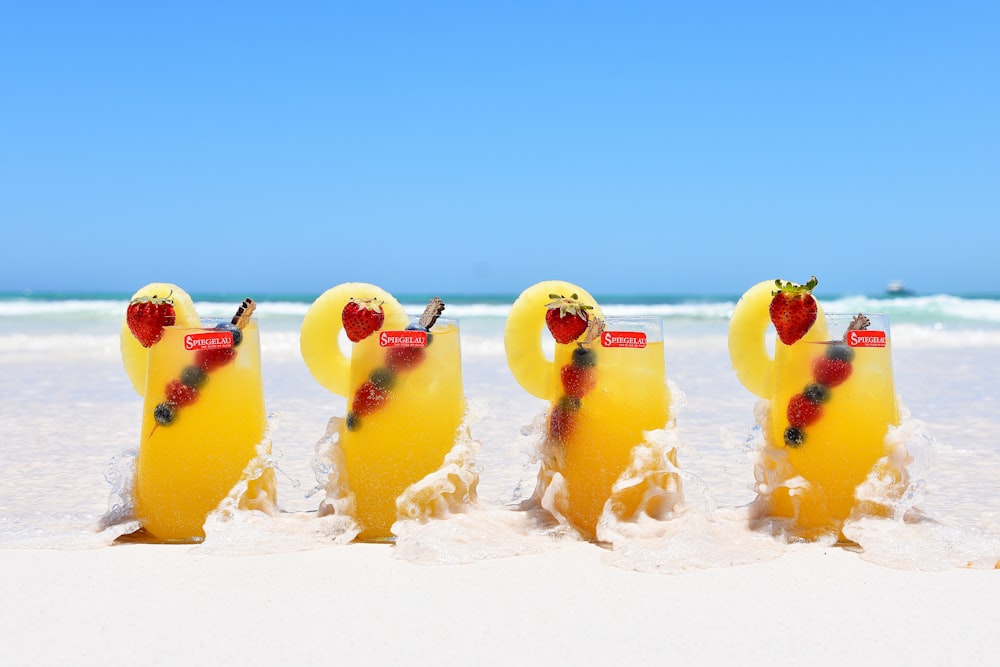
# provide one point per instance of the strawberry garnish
(147, 315)
(793, 309)
(372, 394)
(362, 318)
(566, 318)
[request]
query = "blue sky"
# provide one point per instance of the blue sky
(480, 147)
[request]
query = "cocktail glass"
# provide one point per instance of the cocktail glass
(405, 403)
(605, 390)
(831, 403)
(203, 422)
(595, 422)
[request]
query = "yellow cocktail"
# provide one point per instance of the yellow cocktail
(203, 420)
(831, 403)
(405, 401)
(605, 389)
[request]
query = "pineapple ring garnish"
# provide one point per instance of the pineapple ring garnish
(524, 330)
(748, 326)
(134, 356)
(319, 340)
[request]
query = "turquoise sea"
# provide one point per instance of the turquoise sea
(91, 310)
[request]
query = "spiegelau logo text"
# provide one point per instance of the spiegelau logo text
(402, 339)
(866, 338)
(633, 339)
(215, 340)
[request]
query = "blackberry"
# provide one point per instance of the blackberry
(816, 393)
(840, 351)
(584, 357)
(193, 376)
(164, 414)
(569, 403)
(353, 421)
(794, 437)
(383, 378)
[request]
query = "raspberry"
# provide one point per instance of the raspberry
(179, 394)
(831, 372)
(403, 358)
(367, 399)
(214, 358)
(802, 412)
(577, 381)
(561, 424)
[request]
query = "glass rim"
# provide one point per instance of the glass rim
(656, 319)
(207, 324)
(651, 325)
(838, 323)
(847, 316)
(441, 320)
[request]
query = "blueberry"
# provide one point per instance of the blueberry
(237, 332)
(193, 376)
(794, 437)
(353, 421)
(840, 351)
(569, 403)
(383, 378)
(417, 327)
(164, 414)
(816, 393)
(584, 357)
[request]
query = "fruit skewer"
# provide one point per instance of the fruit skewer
(185, 389)
(577, 378)
(829, 371)
(373, 393)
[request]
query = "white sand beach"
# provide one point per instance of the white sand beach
(357, 605)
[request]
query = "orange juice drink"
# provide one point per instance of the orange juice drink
(596, 432)
(203, 419)
(605, 388)
(405, 401)
(394, 438)
(831, 403)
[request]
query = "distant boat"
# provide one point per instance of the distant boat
(897, 288)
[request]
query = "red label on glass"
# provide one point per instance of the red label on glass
(210, 340)
(865, 338)
(636, 339)
(406, 338)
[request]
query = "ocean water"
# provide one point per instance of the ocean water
(69, 419)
